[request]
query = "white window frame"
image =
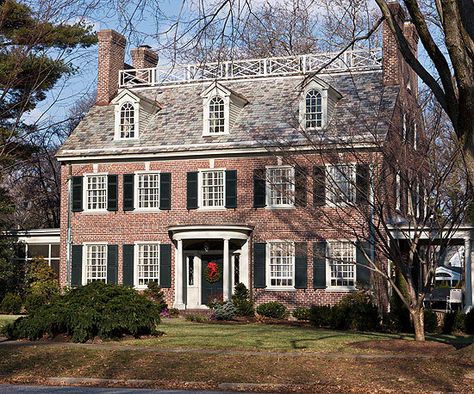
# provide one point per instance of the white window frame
(268, 186)
(118, 108)
(330, 245)
(86, 189)
(85, 247)
(398, 191)
(206, 119)
(136, 261)
(201, 189)
(324, 105)
(332, 187)
(268, 266)
(136, 190)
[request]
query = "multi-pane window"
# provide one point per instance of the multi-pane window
(281, 263)
(314, 109)
(96, 192)
(341, 181)
(216, 115)
(127, 120)
(280, 186)
(148, 264)
(96, 263)
(341, 263)
(212, 189)
(148, 190)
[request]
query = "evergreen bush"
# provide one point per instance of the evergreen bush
(11, 304)
(453, 322)
(272, 309)
(42, 286)
(431, 321)
(241, 301)
(301, 313)
(320, 316)
(224, 311)
(469, 322)
(98, 309)
(154, 293)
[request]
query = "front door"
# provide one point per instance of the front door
(211, 278)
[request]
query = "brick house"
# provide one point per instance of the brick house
(172, 176)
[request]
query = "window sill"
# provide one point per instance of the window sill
(96, 212)
(280, 289)
(211, 209)
(146, 210)
(278, 207)
(340, 289)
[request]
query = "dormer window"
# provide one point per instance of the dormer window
(127, 120)
(314, 109)
(216, 115)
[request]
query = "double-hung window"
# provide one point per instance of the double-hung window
(281, 264)
(280, 186)
(342, 272)
(96, 192)
(341, 182)
(314, 109)
(95, 263)
(148, 264)
(148, 191)
(212, 190)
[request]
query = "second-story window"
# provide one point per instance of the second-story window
(148, 191)
(96, 192)
(127, 121)
(280, 186)
(216, 115)
(341, 183)
(314, 109)
(212, 189)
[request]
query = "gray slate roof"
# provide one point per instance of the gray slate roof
(271, 115)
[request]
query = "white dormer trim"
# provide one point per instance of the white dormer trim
(326, 91)
(123, 97)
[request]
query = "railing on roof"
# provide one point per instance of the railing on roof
(355, 60)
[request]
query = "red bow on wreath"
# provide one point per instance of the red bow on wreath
(212, 272)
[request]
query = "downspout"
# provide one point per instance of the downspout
(68, 233)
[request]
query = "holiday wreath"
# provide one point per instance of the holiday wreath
(212, 273)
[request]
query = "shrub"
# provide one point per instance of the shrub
(301, 313)
(320, 316)
(453, 322)
(224, 311)
(431, 320)
(196, 318)
(11, 304)
(469, 322)
(154, 293)
(272, 309)
(355, 311)
(174, 312)
(241, 301)
(98, 309)
(42, 286)
(399, 316)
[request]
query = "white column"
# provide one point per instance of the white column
(469, 275)
(179, 300)
(226, 271)
(245, 264)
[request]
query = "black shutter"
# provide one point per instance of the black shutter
(301, 265)
(165, 265)
(362, 183)
(192, 190)
(231, 189)
(128, 192)
(165, 190)
(128, 266)
(301, 181)
(362, 272)
(319, 265)
(112, 192)
(112, 264)
(76, 266)
(77, 194)
(319, 186)
(259, 262)
(259, 186)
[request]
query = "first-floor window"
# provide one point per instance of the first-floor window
(280, 186)
(96, 192)
(281, 263)
(96, 263)
(148, 263)
(148, 190)
(342, 264)
(212, 189)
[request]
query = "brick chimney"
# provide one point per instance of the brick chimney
(395, 70)
(144, 57)
(111, 61)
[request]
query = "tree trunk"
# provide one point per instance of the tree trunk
(469, 158)
(418, 323)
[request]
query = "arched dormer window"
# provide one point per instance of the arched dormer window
(127, 121)
(216, 115)
(313, 109)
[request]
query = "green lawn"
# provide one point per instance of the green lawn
(4, 319)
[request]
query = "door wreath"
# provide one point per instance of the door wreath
(212, 274)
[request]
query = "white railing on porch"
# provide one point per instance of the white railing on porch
(355, 60)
